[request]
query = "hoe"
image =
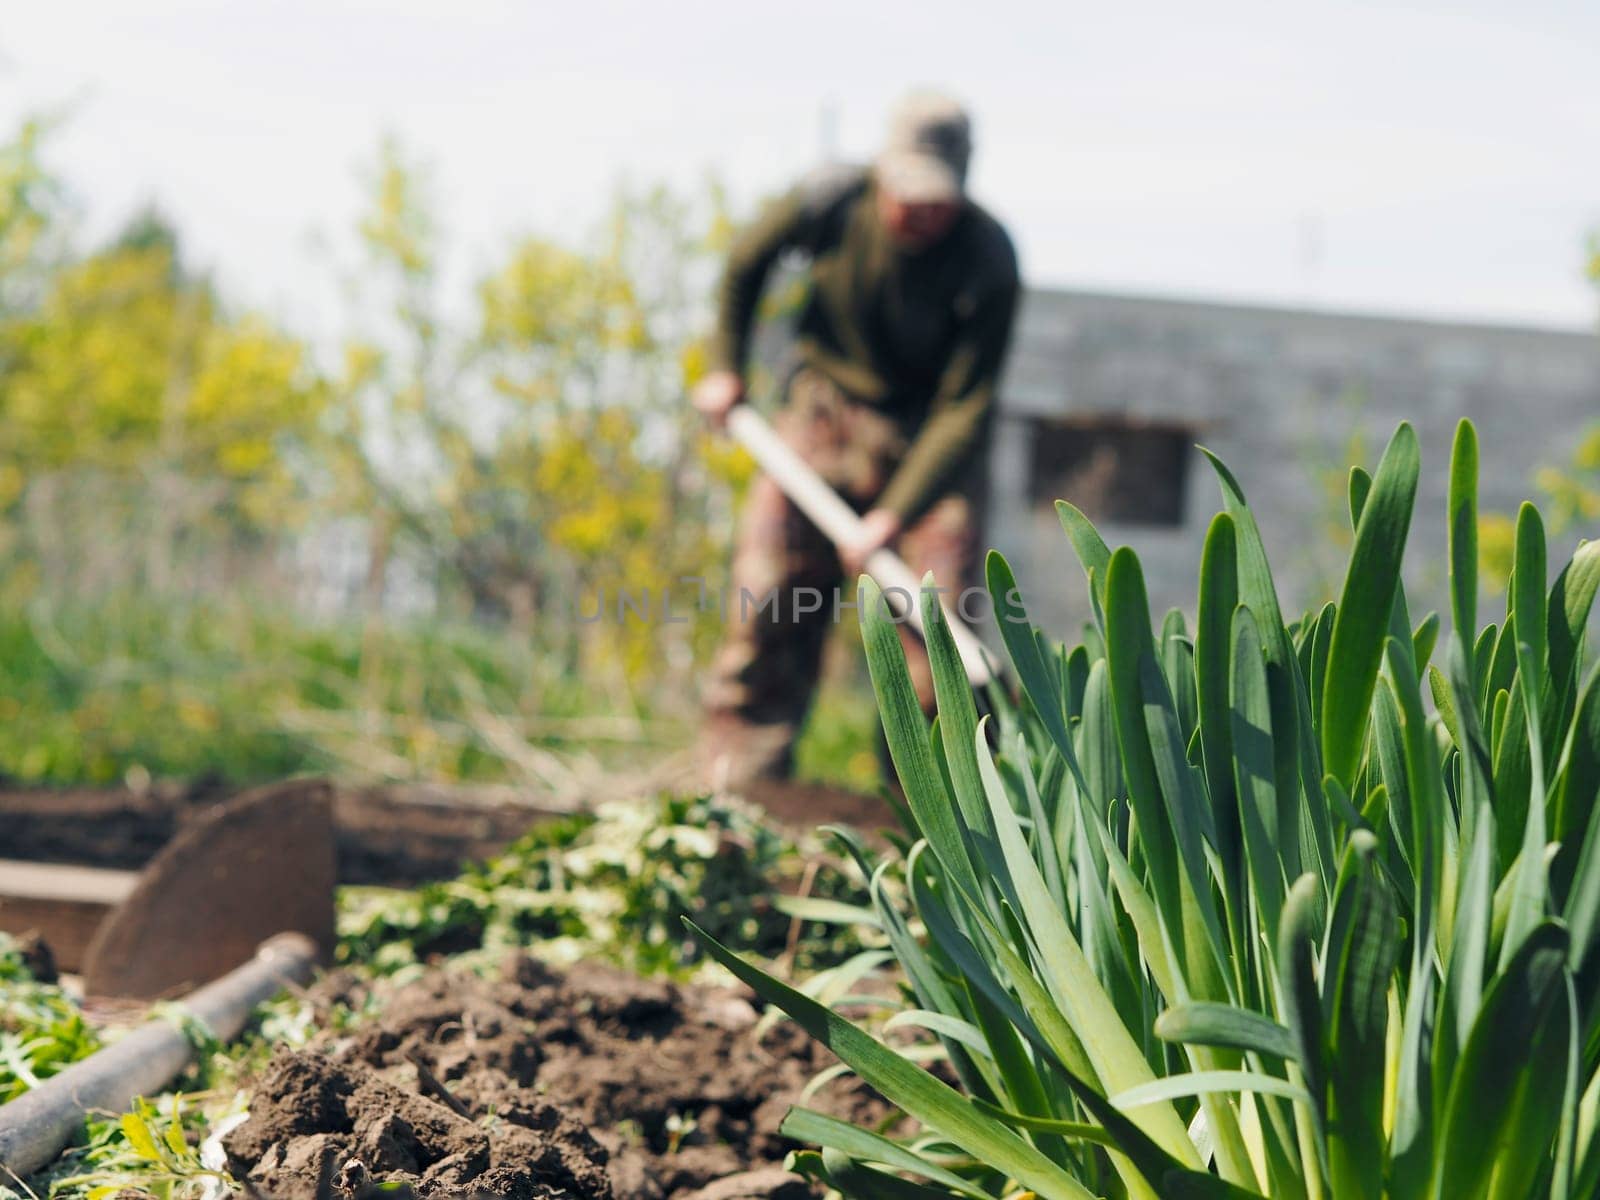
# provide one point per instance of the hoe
(812, 496)
(260, 864)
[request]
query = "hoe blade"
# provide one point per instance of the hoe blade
(259, 864)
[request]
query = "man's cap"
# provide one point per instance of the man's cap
(925, 157)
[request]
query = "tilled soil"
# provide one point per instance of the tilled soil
(593, 1085)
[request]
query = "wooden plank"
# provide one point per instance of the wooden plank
(63, 904)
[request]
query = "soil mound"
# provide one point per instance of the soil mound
(589, 1085)
(318, 1128)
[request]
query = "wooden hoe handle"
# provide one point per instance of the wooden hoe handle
(839, 521)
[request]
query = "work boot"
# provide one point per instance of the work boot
(732, 752)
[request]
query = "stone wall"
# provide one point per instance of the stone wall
(1287, 398)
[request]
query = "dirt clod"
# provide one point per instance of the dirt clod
(589, 1085)
(323, 1128)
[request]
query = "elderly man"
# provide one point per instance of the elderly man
(912, 289)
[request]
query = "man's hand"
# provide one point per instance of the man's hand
(879, 527)
(716, 394)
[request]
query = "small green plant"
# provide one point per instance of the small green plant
(614, 885)
(1255, 909)
(42, 1031)
(679, 1126)
(146, 1152)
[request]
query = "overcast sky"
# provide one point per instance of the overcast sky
(1439, 158)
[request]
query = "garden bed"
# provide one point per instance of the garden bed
(444, 1059)
(394, 835)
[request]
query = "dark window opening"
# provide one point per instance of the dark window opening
(1115, 469)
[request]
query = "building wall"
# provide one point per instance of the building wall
(1287, 398)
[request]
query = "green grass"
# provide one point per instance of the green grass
(97, 694)
(94, 694)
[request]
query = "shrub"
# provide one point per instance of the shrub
(1237, 911)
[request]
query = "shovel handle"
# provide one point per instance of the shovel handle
(812, 496)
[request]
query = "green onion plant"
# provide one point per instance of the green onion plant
(1253, 907)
